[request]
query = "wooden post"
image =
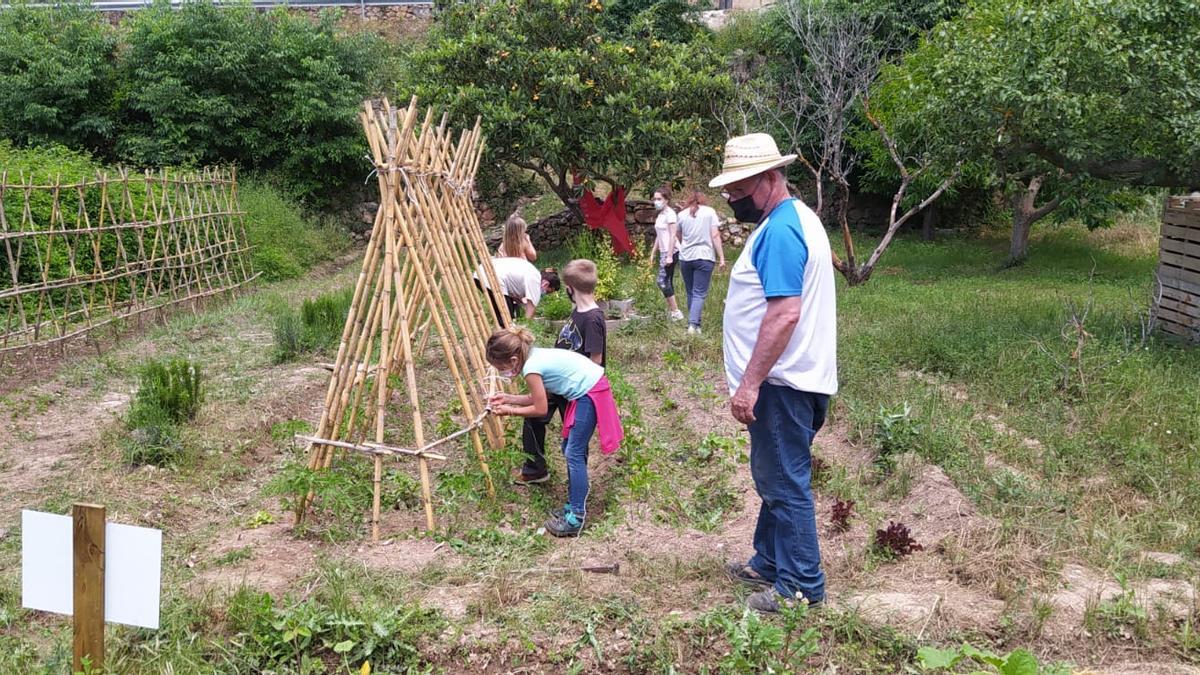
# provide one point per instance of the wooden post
(89, 586)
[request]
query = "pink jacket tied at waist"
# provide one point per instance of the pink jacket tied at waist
(608, 421)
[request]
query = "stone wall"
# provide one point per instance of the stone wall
(394, 22)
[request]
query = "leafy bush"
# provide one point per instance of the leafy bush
(555, 306)
(597, 247)
(284, 242)
(193, 85)
(317, 327)
(208, 84)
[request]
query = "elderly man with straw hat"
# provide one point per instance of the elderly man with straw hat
(780, 342)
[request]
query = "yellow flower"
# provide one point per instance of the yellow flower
(590, 83)
(366, 668)
(536, 97)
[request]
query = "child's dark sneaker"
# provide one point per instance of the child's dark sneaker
(566, 524)
(522, 478)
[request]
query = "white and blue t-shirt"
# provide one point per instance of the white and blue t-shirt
(787, 255)
(563, 372)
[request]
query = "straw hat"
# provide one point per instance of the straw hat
(747, 156)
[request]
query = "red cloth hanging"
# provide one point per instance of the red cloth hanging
(608, 215)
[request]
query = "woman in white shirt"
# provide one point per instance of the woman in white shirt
(665, 236)
(699, 249)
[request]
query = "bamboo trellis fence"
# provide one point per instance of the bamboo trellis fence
(416, 281)
(80, 255)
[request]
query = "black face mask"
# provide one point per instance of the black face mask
(745, 211)
(570, 294)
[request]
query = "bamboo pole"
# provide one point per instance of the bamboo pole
(410, 375)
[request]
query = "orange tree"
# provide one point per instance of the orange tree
(561, 92)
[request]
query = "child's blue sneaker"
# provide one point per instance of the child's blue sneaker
(565, 525)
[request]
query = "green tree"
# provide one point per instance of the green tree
(674, 20)
(803, 75)
(559, 93)
(1061, 103)
(57, 76)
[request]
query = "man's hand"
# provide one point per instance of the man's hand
(742, 404)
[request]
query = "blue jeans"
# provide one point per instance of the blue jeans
(785, 539)
(696, 276)
(575, 449)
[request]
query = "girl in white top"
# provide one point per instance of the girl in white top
(700, 247)
(665, 236)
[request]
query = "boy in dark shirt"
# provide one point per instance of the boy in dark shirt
(585, 333)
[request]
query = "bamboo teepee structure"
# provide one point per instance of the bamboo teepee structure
(416, 283)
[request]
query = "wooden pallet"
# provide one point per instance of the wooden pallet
(1179, 268)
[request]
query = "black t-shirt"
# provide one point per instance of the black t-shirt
(585, 333)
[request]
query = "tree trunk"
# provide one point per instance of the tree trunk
(1025, 214)
(928, 222)
(563, 191)
(1018, 246)
(841, 206)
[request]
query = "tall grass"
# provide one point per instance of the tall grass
(1103, 416)
(317, 327)
(286, 242)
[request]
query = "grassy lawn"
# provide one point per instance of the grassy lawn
(1070, 435)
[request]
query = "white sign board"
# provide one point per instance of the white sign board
(132, 569)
